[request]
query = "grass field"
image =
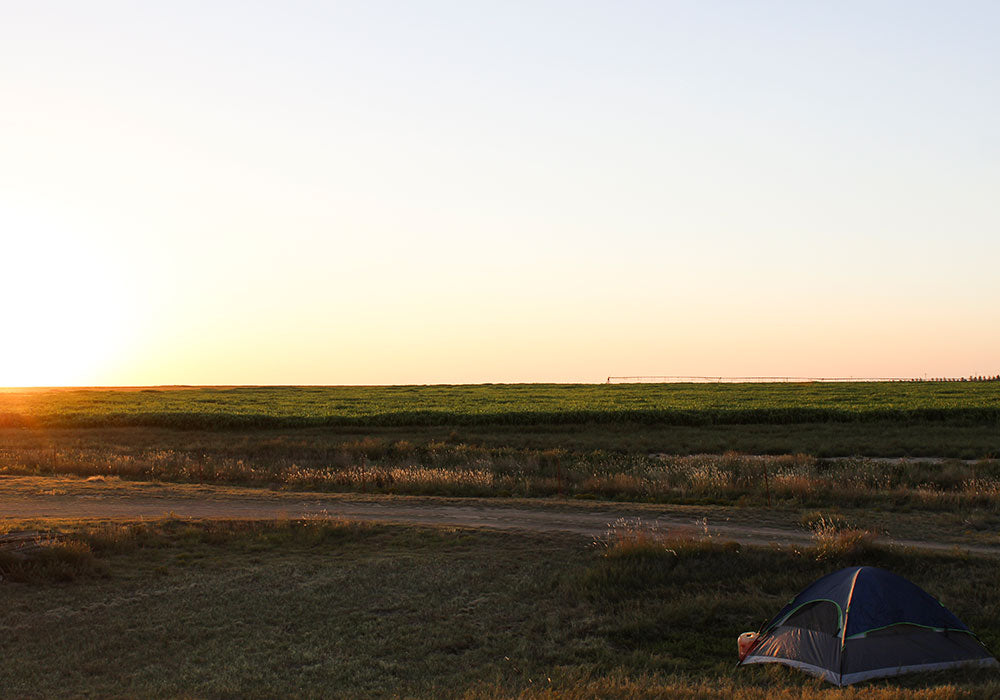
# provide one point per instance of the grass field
(320, 609)
(511, 404)
(411, 462)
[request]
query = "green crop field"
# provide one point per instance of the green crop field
(605, 441)
(510, 404)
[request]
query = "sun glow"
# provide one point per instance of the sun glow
(65, 313)
(331, 193)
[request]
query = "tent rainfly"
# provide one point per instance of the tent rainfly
(864, 622)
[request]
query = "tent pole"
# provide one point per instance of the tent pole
(843, 632)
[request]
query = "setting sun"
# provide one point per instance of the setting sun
(66, 310)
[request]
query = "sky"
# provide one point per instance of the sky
(446, 192)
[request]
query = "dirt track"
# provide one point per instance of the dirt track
(40, 498)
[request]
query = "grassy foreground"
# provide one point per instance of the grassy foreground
(506, 404)
(321, 608)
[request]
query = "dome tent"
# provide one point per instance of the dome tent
(863, 622)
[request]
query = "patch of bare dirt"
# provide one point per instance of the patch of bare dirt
(43, 498)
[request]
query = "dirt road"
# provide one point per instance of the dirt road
(41, 498)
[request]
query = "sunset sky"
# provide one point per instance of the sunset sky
(420, 192)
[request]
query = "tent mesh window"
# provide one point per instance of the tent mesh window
(817, 616)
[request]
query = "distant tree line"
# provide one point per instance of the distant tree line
(970, 378)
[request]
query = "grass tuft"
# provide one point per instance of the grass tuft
(636, 554)
(52, 562)
(834, 540)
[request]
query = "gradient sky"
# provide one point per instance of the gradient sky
(422, 192)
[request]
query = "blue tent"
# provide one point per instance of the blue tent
(864, 622)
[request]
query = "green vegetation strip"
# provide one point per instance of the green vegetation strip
(333, 609)
(512, 404)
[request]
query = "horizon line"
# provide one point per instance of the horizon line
(611, 379)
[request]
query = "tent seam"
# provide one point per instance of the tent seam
(862, 635)
(847, 615)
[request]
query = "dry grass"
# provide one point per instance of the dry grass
(652, 687)
(832, 539)
(629, 537)
(56, 561)
(446, 467)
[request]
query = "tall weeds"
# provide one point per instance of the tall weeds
(438, 467)
(835, 540)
